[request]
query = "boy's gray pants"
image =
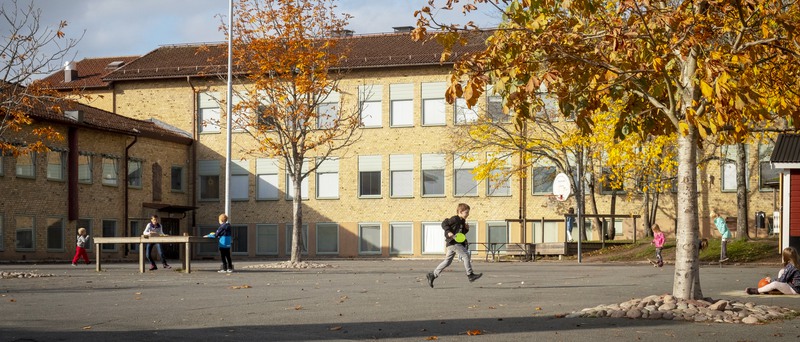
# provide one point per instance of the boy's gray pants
(452, 250)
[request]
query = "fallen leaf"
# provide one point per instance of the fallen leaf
(474, 332)
(335, 328)
(12, 300)
(138, 293)
(87, 327)
(432, 338)
(538, 308)
(237, 287)
(298, 307)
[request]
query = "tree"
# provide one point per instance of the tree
(28, 51)
(696, 68)
(290, 55)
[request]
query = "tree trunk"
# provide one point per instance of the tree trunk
(297, 219)
(686, 282)
(612, 230)
(741, 192)
(646, 220)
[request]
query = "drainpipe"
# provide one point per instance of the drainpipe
(125, 185)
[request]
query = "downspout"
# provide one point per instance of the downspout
(193, 154)
(125, 184)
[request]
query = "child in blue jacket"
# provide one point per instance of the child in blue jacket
(224, 237)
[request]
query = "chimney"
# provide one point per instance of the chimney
(70, 72)
(403, 29)
(344, 33)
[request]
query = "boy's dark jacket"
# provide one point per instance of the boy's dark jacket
(456, 225)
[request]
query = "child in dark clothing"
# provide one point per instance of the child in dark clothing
(452, 226)
(224, 235)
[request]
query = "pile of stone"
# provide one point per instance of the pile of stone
(9, 275)
(670, 308)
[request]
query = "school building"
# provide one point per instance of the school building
(385, 198)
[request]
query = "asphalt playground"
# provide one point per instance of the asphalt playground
(375, 299)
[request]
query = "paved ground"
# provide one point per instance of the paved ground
(363, 300)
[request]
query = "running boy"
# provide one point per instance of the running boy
(452, 226)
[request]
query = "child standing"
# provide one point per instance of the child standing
(154, 228)
(80, 250)
(722, 227)
(658, 241)
(452, 226)
(224, 235)
(788, 281)
(570, 222)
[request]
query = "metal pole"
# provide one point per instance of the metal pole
(229, 112)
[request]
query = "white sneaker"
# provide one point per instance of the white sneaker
(222, 271)
(230, 270)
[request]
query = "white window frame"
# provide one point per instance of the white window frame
(26, 170)
(464, 162)
(208, 113)
(240, 180)
(464, 114)
(401, 174)
(328, 179)
(267, 187)
(323, 226)
(110, 171)
(371, 97)
(370, 164)
(434, 111)
(267, 239)
(56, 171)
(433, 162)
(401, 100)
(361, 235)
(403, 231)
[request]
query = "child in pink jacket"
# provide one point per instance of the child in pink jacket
(658, 241)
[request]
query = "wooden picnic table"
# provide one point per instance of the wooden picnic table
(142, 240)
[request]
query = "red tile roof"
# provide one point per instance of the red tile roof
(90, 73)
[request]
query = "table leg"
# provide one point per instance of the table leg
(97, 257)
(188, 257)
(141, 257)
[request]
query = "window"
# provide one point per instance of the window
(176, 179)
(110, 171)
(26, 165)
(55, 234)
(87, 223)
(328, 111)
(266, 179)
(433, 175)
(303, 183)
(369, 176)
(135, 230)
(402, 104)
(109, 230)
(55, 165)
(472, 235)
(464, 114)
(135, 173)
(24, 226)
(2, 220)
(240, 180)
(208, 112)
(369, 236)
(549, 232)
(543, 174)
(328, 178)
(303, 235)
(327, 238)
(432, 238)
(768, 177)
(494, 107)
(209, 179)
(266, 239)
(499, 183)
(238, 239)
(206, 248)
(728, 162)
(401, 238)
(433, 103)
(241, 116)
(85, 168)
(497, 232)
(401, 168)
(550, 109)
(465, 183)
(371, 105)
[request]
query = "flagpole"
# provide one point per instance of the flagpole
(229, 112)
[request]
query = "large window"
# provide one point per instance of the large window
(26, 165)
(433, 104)
(177, 179)
(208, 112)
(208, 171)
(432, 238)
(464, 114)
(303, 183)
(238, 239)
(499, 183)
(465, 183)
(401, 168)
(328, 111)
(87, 223)
(369, 176)
(327, 238)
(433, 174)
(134, 173)
(728, 162)
(768, 177)
(55, 234)
(241, 116)
(266, 239)
(497, 232)
(402, 104)
(85, 168)
(267, 179)
(543, 174)
(494, 107)
(303, 234)
(55, 165)
(401, 238)
(109, 230)
(240, 180)
(110, 171)
(371, 105)
(328, 178)
(369, 236)
(25, 233)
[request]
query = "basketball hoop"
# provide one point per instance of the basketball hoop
(561, 187)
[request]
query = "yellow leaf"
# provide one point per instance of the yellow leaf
(706, 89)
(474, 332)
(432, 338)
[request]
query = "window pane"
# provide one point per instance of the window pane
(304, 237)
(433, 112)
(24, 232)
(328, 185)
(543, 177)
(370, 236)
(402, 183)
(402, 238)
(176, 178)
(499, 185)
(326, 115)
(290, 187)
(498, 233)
(432, 238)
(268, 186)
(466, 185)
(327, 238)
(432, 182)
(84, 169)
(371, 114)
(369, 183)
(209, 120)
(463, 113)
(495, 108)
(109, 171)
(26, 165)
(109, 230)
(209, 187)
(240, 187)
(135, 174)
(55, 165)
(55, 233)
(402, 112)
(238, 239)
(267, 239)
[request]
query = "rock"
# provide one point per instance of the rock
(633, 313)
(719, 305)
(750, 320)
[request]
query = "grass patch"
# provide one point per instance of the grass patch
(740, 251)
